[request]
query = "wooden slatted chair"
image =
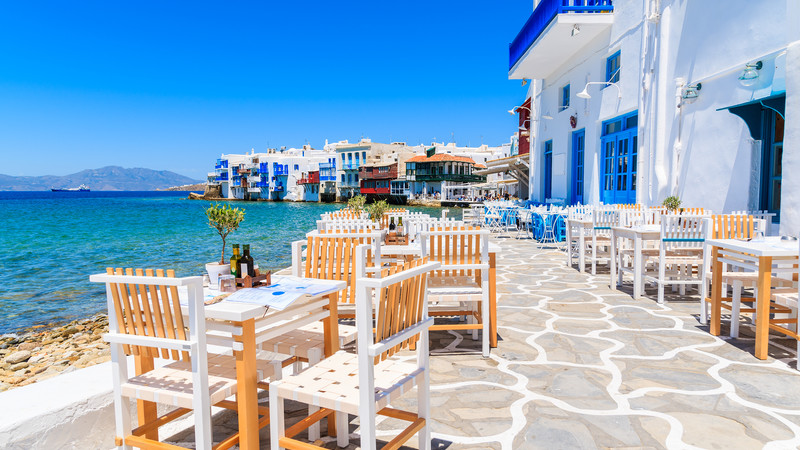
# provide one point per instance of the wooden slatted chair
(603, 220)
(146, 321)
(788, 298)
(680, 253)
(463, 278)
(365, 383)
(744, 228)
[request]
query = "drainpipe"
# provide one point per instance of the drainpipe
(660, 111)
(647, 114)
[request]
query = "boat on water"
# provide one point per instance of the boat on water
(81, 188)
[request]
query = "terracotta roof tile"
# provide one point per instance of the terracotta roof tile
(441, 157)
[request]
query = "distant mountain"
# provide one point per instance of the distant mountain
(111, 178)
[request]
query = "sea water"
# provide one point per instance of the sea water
(52, 241)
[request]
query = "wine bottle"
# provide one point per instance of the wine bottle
(391, 224)
(246, 263)
(400, 226)
(235, 261)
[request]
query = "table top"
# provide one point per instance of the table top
(238, 312)
(768, 246)
(644, 231)
(416, 249)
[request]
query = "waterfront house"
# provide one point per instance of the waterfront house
(433, 173)
(635, 101)
(309, 182)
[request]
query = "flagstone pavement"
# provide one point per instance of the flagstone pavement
(580, 366)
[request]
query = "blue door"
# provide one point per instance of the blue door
(548, 169)
(619, 147)
(578, 145)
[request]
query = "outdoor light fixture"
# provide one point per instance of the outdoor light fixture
(749, 75)
(524, 81)
(575, 30)
(690, 91)
(585, 92)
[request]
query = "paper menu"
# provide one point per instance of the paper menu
(279, 295)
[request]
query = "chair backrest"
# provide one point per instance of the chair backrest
(604, 219)
(682, 231)
(345, 225)
(146, 303)
(460, 250)
(338, 257)
(415, 227)
(400, 311)
(736, 227)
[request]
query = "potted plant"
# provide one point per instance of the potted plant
(672, 203)
(224, 219)
(376, 210)
(356, 204)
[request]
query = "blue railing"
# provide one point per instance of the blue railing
(263, 168)
(280, 169)
(544, 13)
(261, 184)
(327, 178)
(222, 177)
(278, 188)
(221, 164)
(350, 166)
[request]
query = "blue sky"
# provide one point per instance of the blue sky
(170, 86)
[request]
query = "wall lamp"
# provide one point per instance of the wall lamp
(691, 91)
(585, 92)
(513, 111)
(749, 75)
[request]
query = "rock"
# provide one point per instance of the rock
(27, 346)
(18, 357)
(4, 387)
(18, 366)
(36, 358)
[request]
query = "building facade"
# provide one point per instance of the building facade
(434, 174)
(633, 101)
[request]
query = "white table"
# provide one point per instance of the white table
(638, 235)
(248, 324)
(762, 254)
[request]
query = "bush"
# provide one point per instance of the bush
(377, 209)
(356, 204)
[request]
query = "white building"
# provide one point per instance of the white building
(273, 175)
(685, 97)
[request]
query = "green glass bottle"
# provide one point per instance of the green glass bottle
(235, 261)
(246, 263)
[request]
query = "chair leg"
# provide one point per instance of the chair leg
(342, 429)
(485, 320)
(594, 255)
(314, 356)
(276, 426)
(661, 280)
(122, 411)
(682, 273)
(703, 303)
(735, 307)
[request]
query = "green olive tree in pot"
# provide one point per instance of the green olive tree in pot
(225, 220)
(672, 203)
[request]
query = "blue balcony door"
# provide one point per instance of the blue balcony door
(619, 168)
(578, 146)
(548, 169)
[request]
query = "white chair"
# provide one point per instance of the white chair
(602, 221)
(146, 321)
(463, 278)
(681, 259)
(363, 384)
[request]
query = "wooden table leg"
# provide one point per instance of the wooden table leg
(147, 412)
(493, 300)
(247, 392)
(716, 292)
(613, 255)
(762, 306)
(638, 280)
(330, 325)
(581, 249)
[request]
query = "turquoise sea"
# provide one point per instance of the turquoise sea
(52, 241)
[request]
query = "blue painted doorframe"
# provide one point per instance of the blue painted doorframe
(578, 147)
(618, 152)
(548, 169)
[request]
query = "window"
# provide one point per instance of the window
(355, 177)
(564, 98)
(363, 156)
(349, 178)
(297, 167)
(342, 178)
(612, 68)
(619, 147)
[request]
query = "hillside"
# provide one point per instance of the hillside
(110, 178)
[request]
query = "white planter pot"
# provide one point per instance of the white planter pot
(214, 270)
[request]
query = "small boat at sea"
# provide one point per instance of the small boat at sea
(81, 188)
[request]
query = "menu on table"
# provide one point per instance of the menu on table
(279, 295)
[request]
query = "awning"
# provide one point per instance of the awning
(751, 112)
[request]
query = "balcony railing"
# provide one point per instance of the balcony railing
(544, 13)
(327, 178)
(277, 188)
(350, 166)
(449, 177)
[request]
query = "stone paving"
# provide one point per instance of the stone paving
(580, 365)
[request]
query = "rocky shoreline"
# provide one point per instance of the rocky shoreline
(42, 353)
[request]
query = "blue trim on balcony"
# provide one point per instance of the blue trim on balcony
(543, 15)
